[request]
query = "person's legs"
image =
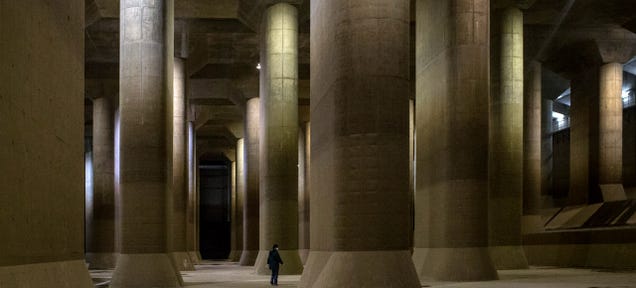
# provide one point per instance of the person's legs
(275, 275)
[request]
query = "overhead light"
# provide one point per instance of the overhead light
(258, 66)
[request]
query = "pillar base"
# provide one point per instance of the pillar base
(182, 261)
(304, 254)
(508, 257)
(458, 264)
(316, 262)
(248, 257)
(51, 274)
(235, 256)
(531, 224)
(101, 260)
(145, 270)
(292, 265)
(613, 192)
(195, 257)
(419, 257)
(369, 269)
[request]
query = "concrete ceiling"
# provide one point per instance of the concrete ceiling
(223, 48)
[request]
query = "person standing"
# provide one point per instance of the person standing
(274, 261)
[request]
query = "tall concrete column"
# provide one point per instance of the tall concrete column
(452, 96)
(42, 144)
(531, 220)
(146, 54)
(584, 138)
(411, 171)
(252, 168)
(178, 172)
(100, 223)
(238, 199)
(360, 126)
(279, 138)
(304, 139)
(505, 169)
(611, 132)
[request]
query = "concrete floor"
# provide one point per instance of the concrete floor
(226, 274)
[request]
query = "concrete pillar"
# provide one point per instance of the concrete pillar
(42, 144)
(238, 194)
(531, 220)
(279, 138)
(178, 172)
(584, 138)
(192, 218)
(304, 138)
(100, 222)
(505, 171)
(452, 94)
(252, 168)
(144, 202)
(611, 132)
(411, 171)
(360, 126)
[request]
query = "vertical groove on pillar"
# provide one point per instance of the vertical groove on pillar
(145, 89)
(279, 138)
(505, 171)
(452, 70)
(251, 200)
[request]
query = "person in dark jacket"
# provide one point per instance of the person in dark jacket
(274, 260)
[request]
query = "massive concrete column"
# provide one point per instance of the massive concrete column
(505, 169)
(584, 138)
(611, 132)
(531, 220)
(452, 139)
(178, 173)
(100, 222)
(304, 139)
(360, 126)
(42, 144)
(238, 199)
(252, 168)
(146, 54)
(279, 138)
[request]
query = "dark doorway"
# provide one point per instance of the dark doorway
(214, 236)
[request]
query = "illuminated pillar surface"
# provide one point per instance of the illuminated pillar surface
(506, 141)
(145, 74)
(452, 114)
(191, 218)
(238, 195)
(279, 139)
(178, 175)
(359, 145)
(100, 223)
(611, 130)
(304, 139)
(531, 221)
(251, 199)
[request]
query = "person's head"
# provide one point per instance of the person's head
(275, 247)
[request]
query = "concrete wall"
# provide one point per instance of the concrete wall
(42, 144)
